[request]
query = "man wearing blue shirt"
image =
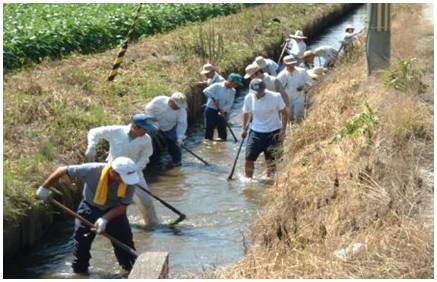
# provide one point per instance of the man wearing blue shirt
(220, 99)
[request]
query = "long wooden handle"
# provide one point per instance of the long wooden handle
(236, 159)
(90, 225)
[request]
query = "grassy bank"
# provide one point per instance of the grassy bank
(49, 109)
(33, 32)
(354, 196)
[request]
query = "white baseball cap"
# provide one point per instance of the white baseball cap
(127, 170)
(180, 99)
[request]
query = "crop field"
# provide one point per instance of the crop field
(33, 32)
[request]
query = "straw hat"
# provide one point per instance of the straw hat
(308, 53)
(316, 72)
(207, 68)
(289, 60)
(298, 35)
(251, 70)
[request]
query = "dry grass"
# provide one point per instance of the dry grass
(370, 189)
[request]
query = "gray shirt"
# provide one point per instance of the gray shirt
(90, 174)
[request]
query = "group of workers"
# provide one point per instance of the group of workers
(275, 97)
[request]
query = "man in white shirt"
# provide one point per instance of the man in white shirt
(295, 80)
(267, 65)
(265, 108)
(272, 83)
(171, 115)
(210, 72)
(218, 107)
(132, 141)
(296, 45)
(327, 53)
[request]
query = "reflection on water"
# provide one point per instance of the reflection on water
(218, 211)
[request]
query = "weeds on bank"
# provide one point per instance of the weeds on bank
(360, 124)
(403, 75)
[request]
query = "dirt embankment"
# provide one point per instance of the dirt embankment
(49, 109)
(353, 198)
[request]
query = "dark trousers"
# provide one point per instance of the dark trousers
(167, 140)
(119, 228)
(213, 121)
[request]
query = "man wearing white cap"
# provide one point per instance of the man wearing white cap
(349, 38)
(132, 141)
(108, 190)
(218, 107)
(295, 80)
(272, 83)
(296, 45)
(267, 65)
(269, 118)
(211, 74)
(171, 115)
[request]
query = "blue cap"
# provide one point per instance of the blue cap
(145, 121)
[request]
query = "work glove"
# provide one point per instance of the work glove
(90, 154)
(100, 224)
(179, 142)
(43, 193)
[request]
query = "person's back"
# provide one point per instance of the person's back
(138, 147)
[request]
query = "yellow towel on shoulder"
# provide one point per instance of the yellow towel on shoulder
(102, 188)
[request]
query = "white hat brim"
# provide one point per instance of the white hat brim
(130, 179)
(298, 37)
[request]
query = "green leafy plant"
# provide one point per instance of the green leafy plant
(360, 124)
(403, 75)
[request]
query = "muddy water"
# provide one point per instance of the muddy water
(218, 211)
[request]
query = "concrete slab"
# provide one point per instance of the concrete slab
(150, 265)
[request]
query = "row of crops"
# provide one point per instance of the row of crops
(32, 32)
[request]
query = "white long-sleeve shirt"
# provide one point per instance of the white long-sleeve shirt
(291, 82)
(222, 94)
(166, 117)
(139, 149)
(296, 49)
(328, 53)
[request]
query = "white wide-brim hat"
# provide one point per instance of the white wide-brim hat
(251, 70)
(349, 26)
(316, 72)
(298, 35)
(207, 68)
(290, 60)
(260, 61)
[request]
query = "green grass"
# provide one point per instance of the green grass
(36, 31)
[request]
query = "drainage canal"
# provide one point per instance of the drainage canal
(219, 212)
